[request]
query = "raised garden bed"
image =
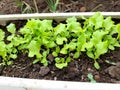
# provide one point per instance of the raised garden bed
(83, 68)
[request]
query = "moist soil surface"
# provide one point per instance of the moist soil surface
(13, 6)
(78, 69)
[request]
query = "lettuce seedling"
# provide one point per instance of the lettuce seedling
(3, 50)
(99, 36)
(62, 62)
(56, 52)
(11, 47)
(90, 76)
(118, 30)
(37, 34)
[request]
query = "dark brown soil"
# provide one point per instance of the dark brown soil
(12, 7)
(78, 69)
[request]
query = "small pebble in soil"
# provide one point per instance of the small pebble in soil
(89, 70)
(44, 70)
(83, 9)
(72, 72)
(50, 57)
(97, 77)
(52, 72)
(114, 71)
(55, 78)
(36, 67)
(71, 54)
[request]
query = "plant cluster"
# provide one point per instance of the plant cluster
(28, 8)
(40, 38)
(52, 4)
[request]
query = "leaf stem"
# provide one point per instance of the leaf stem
(36, 7)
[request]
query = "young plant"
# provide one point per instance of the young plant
(3, 51)
(52, 4)
(62, 62)
(90, 76)
(27, 8)
(6, 50)
(19, 4)
(99, 34)
(14, 41)
(118, 30)
(36, 34)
